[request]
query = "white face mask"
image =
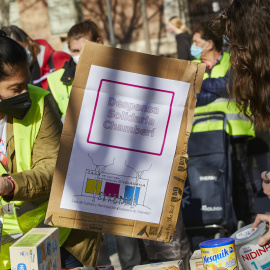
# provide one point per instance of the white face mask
(76, 59)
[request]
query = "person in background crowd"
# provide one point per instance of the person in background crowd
(42, 58)
(207, 48)
(246, 25)
(258, 153)
(182, 36)
(30, 131)
(126, 247)
(178, 248)
(61, 81)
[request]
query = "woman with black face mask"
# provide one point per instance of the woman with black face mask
(30, 130)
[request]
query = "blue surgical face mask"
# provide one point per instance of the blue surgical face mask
(196, 51)
(29, 56)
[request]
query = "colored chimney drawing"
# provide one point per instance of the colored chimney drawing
(113, 188)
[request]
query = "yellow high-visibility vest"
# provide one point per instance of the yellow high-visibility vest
(237, 124)
(60, 91)
(22, 216)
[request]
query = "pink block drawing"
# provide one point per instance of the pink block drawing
(111, 189)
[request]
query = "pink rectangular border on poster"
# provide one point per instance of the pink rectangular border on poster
(123, 148)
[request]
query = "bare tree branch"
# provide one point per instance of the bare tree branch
(4, 5)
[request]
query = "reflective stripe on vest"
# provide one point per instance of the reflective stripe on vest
(237, 124)
(60, 91)
(20, 216)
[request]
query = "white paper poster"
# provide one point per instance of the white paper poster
(124, 145)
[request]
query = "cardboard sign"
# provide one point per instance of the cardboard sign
(123, 155)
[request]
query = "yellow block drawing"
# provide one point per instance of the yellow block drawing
(92, 186)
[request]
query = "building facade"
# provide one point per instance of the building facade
(137, 25)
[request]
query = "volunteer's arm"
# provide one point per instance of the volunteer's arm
(36, 183)
(217, 86)
(257, 221)
(6, 186)
(212, 88)
(265, 184)
(204, 98)
(260, 217)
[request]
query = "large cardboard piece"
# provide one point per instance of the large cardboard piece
(123, 154)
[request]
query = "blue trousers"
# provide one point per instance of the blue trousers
(68, 260)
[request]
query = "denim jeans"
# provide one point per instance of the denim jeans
(68, 260)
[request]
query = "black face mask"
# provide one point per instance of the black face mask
(16, 106)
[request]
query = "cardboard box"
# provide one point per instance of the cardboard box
(122, 161)
(195, 261)
(110, 267)
(172, 265)
(37, 250)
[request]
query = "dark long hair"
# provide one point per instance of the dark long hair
(247, 27)
(20, 36)
(11, 54)
(85, 29)
(15, 33)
